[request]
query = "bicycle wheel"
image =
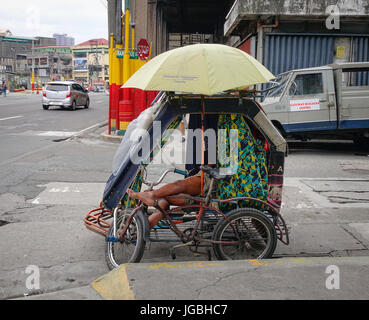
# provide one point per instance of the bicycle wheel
(132, 248)
(255, 234)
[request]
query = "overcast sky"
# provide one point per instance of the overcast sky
(80, 19)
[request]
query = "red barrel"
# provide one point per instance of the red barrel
(114, 107)
(139, 102)
(126, 115)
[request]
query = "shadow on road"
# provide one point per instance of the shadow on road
(338, 147)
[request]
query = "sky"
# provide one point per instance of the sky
(80, 19)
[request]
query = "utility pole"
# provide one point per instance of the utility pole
(33, 66)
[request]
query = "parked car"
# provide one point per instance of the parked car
(323, 102)
(99, 88)
(65, 94)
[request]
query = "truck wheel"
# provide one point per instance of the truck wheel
(362, 142)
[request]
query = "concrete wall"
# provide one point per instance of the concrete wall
(253, 9)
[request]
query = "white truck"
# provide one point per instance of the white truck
(324, 102)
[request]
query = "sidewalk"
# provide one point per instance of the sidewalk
(286, 278)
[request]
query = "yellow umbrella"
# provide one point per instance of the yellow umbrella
(205, 69)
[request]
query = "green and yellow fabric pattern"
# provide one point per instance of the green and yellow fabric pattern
(250, 166)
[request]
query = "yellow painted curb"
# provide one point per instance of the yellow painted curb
(114, 285)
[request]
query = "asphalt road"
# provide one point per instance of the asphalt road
(48, 184)
(25, 127)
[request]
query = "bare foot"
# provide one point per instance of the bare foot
(146, 197)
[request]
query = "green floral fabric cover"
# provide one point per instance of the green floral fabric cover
(251, 178)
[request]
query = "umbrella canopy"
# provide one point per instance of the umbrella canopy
(205, 69)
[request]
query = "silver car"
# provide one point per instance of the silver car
(65, 94)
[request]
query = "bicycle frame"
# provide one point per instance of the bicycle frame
(203, 206)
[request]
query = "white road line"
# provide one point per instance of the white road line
(17, 117)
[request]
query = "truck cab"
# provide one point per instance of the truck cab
(322, 102)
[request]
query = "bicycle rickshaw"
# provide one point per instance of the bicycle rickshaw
(227, 220)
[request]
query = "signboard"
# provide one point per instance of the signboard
(42, 73)
(132, 54)
(340, 52)
(305, 105)
(54, 49)
(143, 49)
(43, 61)
(80, 65)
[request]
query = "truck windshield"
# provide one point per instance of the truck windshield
(278, 86)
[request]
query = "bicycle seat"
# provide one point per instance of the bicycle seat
(217, 173)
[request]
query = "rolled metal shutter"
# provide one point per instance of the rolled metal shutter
(286, 52)
(361, 54)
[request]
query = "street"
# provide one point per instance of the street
(53, 169)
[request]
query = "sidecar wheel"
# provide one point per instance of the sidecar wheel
(253, 230)
(133, 246)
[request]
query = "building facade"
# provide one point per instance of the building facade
(13, 59)
(64, 40)
(91, 62)
(169, 24)
(51, 63)
(286, 35)
(16, 58)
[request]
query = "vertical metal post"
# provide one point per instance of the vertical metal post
(33, 66)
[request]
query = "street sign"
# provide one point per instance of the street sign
(132, 54)
(143, 49)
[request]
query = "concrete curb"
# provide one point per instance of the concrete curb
(80, 293)
(111, 137)
(286, 278)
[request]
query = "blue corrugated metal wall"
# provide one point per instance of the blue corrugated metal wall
(361, 54)
(286, 52)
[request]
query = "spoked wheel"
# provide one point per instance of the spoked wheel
(253, 234)
(132, 248)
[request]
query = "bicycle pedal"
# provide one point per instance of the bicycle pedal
(111, 239)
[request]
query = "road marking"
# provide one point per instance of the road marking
(10, 118)
(114, 285)
(62, 193)
(56, 134)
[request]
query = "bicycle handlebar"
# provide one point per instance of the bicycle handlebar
(152, 184)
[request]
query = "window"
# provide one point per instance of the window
(355, 78)
(77, 87)
(80, 54)
(307, 84)
(57, 87)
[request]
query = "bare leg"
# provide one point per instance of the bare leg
(190, 186)
(164, 204)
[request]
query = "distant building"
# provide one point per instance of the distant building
(5, 32)
(13, 59)
(17, 60)
(51, 63)
(91, 61)
(64, 40)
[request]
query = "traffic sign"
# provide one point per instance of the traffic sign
(143, 49)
